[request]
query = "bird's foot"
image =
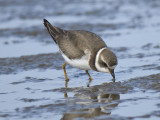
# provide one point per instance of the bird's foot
(114, 80)
(90, 80)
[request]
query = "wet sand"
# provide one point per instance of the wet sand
(32, 83)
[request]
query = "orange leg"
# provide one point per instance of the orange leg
(66, 77)
(90, 78)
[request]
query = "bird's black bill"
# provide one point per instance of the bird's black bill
(112, 73)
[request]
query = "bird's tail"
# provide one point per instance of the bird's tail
(55, 32)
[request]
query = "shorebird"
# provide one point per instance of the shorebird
(83, 49)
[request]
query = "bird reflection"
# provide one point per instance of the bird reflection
(88, 84)
(103, 101)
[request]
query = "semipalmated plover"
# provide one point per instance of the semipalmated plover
(84, 50)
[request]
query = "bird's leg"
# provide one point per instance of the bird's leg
(66, 77)
(66, 84)
(64, 69)
(90, 78)
(88, 75)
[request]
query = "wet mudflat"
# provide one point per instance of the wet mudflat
(32, 83)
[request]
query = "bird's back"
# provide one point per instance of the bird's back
(74, 42)
(79, 39)
(84, 39)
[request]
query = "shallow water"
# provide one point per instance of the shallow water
(32, 83)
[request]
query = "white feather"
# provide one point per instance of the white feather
(82, 63)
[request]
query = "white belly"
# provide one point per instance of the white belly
(82, 63)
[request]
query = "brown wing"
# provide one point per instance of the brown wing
(69, 48)
(76, 42)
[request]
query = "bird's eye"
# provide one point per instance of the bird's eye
(104, 64)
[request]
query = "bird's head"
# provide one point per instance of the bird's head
(106, 61)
